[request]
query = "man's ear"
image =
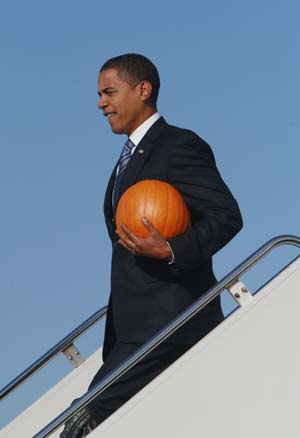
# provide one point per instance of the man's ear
(145, 90)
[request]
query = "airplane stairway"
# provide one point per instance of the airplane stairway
(242, 380)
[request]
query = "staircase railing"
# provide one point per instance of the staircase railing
(227, 282)
(60, 347)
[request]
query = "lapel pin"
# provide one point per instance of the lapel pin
(141, 151)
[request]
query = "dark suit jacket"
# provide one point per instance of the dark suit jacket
(146, 293)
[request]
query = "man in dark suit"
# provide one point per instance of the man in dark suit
(154, 280)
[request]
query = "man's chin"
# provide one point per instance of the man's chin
(116, 130)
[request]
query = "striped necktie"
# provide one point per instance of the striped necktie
(123, 161)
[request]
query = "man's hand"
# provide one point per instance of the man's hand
(154, 245)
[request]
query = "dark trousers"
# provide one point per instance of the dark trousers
(132, 381)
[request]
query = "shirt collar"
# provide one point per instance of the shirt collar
(141, 131)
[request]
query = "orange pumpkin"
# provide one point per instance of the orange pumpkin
(160, 202)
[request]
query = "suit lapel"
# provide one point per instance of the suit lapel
(108, 211)
(140, 156)
(131, 173)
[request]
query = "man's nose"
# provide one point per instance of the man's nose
(102, 103)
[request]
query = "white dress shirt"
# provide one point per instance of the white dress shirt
(141, 131)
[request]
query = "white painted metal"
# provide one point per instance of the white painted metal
(241, 381)
(240, 293)
(54, 401)
(74, 356)
(168, 330)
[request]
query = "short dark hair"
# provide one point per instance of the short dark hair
(136, 68)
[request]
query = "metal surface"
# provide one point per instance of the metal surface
(168, 330)
(240, 293)
(60, 346)
(73, 356)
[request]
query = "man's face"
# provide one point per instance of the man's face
(121, 102)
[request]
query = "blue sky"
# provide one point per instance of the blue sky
(229, 71)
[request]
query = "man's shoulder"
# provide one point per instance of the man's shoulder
(175, 139)
(179, 130)
(177, 135)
